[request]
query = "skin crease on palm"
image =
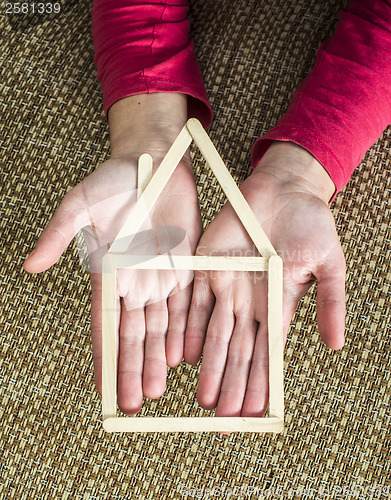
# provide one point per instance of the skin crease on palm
(160, 320)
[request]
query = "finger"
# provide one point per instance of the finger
(201, 308)
(155, 365)
(257, 391)
(178, 309)
(331, 306)
(219, 333)
(55, 238)
(131, 360)
(233, 388)
(96, 326)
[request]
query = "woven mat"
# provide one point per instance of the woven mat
(253, 54)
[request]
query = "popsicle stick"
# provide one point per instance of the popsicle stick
(192, 424)
(189, 262)
(144, 173)
(152, 192)
(275, 336)
(231, 190)
(109, 337)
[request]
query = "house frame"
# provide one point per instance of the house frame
(150, 188)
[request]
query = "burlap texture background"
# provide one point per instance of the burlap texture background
(253, 54)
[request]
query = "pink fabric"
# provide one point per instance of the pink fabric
(337, 113)
(344, 105)
(143, 47)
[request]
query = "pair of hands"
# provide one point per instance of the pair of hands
(162, 316)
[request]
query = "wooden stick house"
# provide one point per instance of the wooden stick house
(151, 187)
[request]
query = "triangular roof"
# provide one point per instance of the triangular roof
(193, 130)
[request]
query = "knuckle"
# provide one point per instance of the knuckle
(199, 307)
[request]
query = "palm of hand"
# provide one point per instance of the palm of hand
(152, 305)
(228, 315)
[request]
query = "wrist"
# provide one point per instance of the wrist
(146, 123)
(293, 165)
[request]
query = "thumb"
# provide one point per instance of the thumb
(55, 238)
(331, 306)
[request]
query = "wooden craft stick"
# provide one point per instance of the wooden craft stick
(144, 173)
(109, 337)
(275, 336)
(189, 262)
(231, 190)
(152, 192)
(192, 424)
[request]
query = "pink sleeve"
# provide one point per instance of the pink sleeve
(344, 105)
(144, 47)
